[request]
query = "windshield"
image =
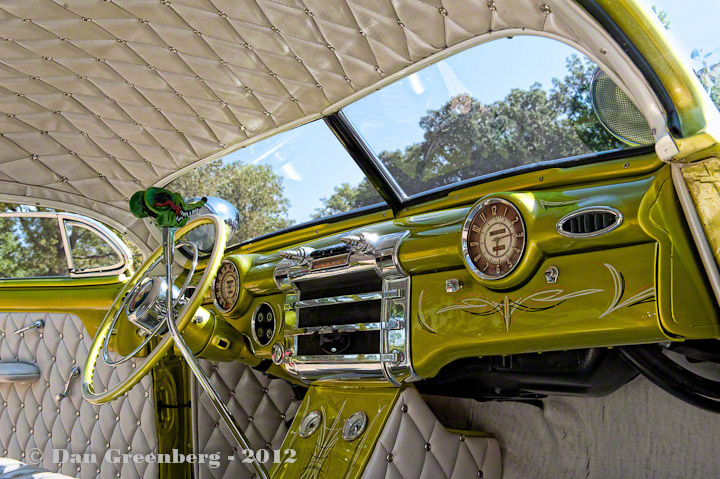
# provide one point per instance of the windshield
(294, 177)
(499, 105)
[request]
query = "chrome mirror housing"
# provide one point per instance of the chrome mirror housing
(204, 236)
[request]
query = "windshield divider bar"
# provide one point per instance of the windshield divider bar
(366, 159)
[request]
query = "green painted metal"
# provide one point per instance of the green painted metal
(325, 454)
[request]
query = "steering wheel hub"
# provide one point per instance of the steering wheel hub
(146, 307)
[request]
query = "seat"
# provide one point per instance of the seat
(263, 407)
(414, 445)
(14, 469)
(31, 418)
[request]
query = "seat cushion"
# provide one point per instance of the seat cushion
(414, 445)
(13, 469)
(262, 406)
(32, 420)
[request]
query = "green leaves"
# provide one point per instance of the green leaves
(255, 190)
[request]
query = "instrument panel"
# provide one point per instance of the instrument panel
(226, 287)
(493, 238)
(500, 275)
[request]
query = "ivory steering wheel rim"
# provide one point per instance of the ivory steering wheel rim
(184, 316)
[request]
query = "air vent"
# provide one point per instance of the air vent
(589, 222)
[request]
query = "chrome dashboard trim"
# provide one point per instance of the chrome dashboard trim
(392, 360)
(346, 328)
(590, 209)
(348, 298)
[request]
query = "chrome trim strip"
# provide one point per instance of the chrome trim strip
(589, 209)
(345, 328)
(96, 228)
(393, 357)
(696, 229)
(347, 298)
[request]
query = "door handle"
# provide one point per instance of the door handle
(74, 372)
(38, 324)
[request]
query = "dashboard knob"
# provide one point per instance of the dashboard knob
(361, 243)
(298, 255)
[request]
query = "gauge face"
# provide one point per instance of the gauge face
(493, 238)
(226, 287)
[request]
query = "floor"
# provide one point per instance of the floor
(637, 432)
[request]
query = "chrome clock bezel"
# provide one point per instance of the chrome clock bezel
(466, 229)
(212, 288)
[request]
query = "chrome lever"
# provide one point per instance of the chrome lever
(74, 372)
(38, 324)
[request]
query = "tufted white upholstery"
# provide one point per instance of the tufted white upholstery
(13, 469)
(30, 417)
(100, 99)
(262, 406)
(414, 445)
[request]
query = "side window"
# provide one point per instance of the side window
(31, 247)
(88, 251)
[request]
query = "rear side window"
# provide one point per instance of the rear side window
(31, 247)
(88, 251)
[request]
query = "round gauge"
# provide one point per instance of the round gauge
(493, 239)
(263, 324)
(226, 287)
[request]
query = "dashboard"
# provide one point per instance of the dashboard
(599, 260)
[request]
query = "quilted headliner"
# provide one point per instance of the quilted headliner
(102, 98)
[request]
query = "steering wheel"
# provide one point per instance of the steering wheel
(134, 292)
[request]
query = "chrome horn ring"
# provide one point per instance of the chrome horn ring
(142, 309)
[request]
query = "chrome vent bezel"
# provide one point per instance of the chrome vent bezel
(588, 211)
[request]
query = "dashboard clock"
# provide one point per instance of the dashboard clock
(226, 287)
(493, 239)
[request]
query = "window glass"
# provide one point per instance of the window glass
(31, 247)
(290, 178)
(88, 250)
(691, 26)
(503, 104)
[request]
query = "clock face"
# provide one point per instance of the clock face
(493, 238)
(226, 287)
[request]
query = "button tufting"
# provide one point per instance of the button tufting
(389, 458)
(427, 446)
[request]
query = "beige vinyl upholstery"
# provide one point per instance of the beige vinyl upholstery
(32, 419)
(263, 407)
(414, 445)
(101, 99)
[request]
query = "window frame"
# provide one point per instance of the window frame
(95, 227)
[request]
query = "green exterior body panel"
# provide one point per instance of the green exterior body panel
(325, 454)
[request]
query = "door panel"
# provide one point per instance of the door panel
(31, 417)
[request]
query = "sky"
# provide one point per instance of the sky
(312, 162)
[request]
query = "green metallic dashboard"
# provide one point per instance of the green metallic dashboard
(639, 283)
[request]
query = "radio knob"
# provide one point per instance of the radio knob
(299, 255)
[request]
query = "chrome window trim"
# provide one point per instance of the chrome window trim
(95, 227)
(590, 209)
